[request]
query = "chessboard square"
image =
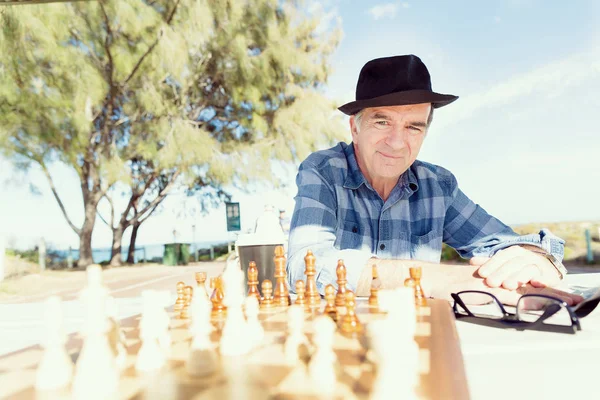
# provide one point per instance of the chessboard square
(15, 381)
(21, 359)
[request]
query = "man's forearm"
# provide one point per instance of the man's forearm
(437, 279)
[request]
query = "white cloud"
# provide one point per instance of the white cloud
(405, 5)
(387, 10)
(497, 19)
(550, 79)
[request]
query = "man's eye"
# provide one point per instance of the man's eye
(414, 129)
(382, 122)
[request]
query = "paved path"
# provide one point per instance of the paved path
(21, 315)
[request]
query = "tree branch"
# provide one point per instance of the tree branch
(160, 197)
(107, 47)
(58, 200)
(153, 45)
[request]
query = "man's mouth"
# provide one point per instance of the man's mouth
(394, 157)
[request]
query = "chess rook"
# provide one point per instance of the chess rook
(340, 271)
(313, 297)
(253, 281)
(281, 295)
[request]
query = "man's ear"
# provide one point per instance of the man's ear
(353, 128)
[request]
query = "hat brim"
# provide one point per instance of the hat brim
(399, 99)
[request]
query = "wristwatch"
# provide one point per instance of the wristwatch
(562, 271)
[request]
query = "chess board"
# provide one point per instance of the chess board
(262, 374)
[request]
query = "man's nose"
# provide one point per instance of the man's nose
(396, 139)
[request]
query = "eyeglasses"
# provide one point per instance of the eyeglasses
(532, 312)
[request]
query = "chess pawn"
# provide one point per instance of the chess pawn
(340, 271)
(180, 300)
(375, 286)
(201, 282)
(96, 372)
(256, 332)
(313, 297)
(151, 356)
(187, 297)
(296, 344)
(231, 343)
(415, 282)
(330, 309)
(267, 300)
(56, 368)
(253, 281)
(322, 366)
(350, 322)
(202, 358)
(281, 295)
(301, 295)
(218, 308)
(394, 349)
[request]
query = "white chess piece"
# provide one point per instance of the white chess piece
(55, 370)
(164, 336)
(202, 359)
(232, 342)
(95, 287)
(256, 332)
(96, 372)
(151, 356)
(392, 341)
(296, 336)
(322, 365)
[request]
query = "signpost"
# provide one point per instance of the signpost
(232, 211)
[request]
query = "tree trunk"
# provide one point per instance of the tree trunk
(130, 253)
(85, 236)
(115, 254)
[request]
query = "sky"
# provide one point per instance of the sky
(523, 139)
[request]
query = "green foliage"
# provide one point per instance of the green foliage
(450, 255)
(141, 93)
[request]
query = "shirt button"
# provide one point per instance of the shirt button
(382, 246)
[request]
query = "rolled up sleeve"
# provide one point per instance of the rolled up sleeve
(471, 231)
(313, 228)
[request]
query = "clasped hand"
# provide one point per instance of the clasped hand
(514, 267)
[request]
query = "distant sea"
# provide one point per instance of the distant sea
(143, 252)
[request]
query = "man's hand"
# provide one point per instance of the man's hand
(516, 266)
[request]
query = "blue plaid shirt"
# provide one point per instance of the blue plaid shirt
(339, 215)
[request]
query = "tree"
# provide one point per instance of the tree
(154, 94)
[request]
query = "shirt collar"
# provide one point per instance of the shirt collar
(355, 177)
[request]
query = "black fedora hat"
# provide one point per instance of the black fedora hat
(395, 81)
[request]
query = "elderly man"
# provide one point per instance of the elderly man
(372, 202)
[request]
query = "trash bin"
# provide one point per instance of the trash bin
(184, 253)
(170, 254)
(176, 254)
(261, 250)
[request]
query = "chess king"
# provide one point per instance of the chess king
(372, 202)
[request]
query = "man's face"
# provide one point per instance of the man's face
(387, 140)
